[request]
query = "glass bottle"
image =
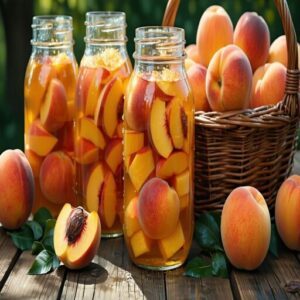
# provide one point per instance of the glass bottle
(158, 151)
(103, 76)
(49, 92)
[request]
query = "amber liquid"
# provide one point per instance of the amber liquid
(42, 138)
(144, 94)
(98, 134)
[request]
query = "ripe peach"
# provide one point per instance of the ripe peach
(215, 30)
(228, 80)
(158, 209)
(196, 75)
(246, 228)
(77, 236)
(252, 35)
(268, 84)
(57, 177)
(278, 51)
(192, 53)
(287, 212)
(16, 189)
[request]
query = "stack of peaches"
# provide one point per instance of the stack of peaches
(234, 69)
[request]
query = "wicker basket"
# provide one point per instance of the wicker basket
(251, 147)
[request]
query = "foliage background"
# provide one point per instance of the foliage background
(139, 13)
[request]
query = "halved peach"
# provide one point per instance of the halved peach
(177, 122)
(140, 244)
(35, 162)
(158, 130)
(131, 222)
(133, 141)
(175, 164)
(181, 183)
(113, 154)
(100, 77)
(77, 236)
(54, 110)
(40, 141)
(141, 167)
(86, 152)
(89, 131)
(108, 106)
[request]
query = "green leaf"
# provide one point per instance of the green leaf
(49, 225)
(37, 247)
(36, 228)
(22, 238)
(198, 267)
(42, 263)
(42, 215)
(274, 242)
(207, 232)
(219, 265)
(56, 262)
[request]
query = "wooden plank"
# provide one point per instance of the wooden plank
(269, 280)
(8, 256)
(113, 276)
(19, 285)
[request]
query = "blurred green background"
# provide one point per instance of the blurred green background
(15, 35)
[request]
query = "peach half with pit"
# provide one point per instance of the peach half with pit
(77, 236)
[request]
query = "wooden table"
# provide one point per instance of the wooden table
(113, 276)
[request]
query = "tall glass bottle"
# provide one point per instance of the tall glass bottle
(103, 76)
(158, 151)
(49, 92)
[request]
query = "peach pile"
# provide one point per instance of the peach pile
(246, 228)
(287, 212)
(49, 111)
(158, 136)
(77, 236)
(16, 189)
(219, 73)
(98, 135)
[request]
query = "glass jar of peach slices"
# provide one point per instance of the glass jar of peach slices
(158, 151)
(49, 92)
(103, 76)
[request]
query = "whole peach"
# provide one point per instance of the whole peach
(287, 212)
(246, 228)
(16, 188)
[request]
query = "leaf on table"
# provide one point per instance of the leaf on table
(274, 242)
(42, 264)
(36, 228)
(219, 265)
(49, 225)
(22, 238)
(207, 232)
(42, 215)
(293, 286)
(198, 267)
(37, 247)
(56, 262)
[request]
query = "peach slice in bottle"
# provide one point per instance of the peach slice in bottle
(54, 110)
(108, 106)
(140, 244)
(133, 142)
(89, 131)
(175, 164)
(65, 137)
(181, 183)
(177, 122)
(131, 220)
(40, 141)
(158, 130)
(141, 167)
(77, 236)
(113, 154)
(86, 152)
(173, 88)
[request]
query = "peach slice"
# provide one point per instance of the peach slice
(131, 221)
(54, 110)
(120, 130)
(65, 137)
(141, 167)
(181, 183)
(108, 106)
(35, 162)
(113, 154)
(40, 141)
(133, 142)
(89, 131)
(171, 244)
(94, 188)
(129, 190)
(140, 244)
(174, 165)
(173, 88)
(108, 201)
(100, 78)
(86, 152)
(77, 236)
(158, 128)
(177, 121)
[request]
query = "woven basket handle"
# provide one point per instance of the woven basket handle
(290, 104)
